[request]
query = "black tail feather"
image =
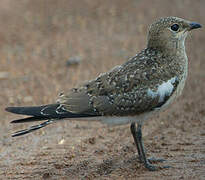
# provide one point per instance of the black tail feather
(32, 128)
(48, 112)
(39, 111)
(29, 119)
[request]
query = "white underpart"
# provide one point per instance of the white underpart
(165, 89)
(120, 120)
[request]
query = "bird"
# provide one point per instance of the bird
(130, 93)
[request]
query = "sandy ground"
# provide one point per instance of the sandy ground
(37, 38)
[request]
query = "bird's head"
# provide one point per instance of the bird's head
(169, 33)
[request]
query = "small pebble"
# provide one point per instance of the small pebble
(4, 75)
(73, 61)
(61, 141)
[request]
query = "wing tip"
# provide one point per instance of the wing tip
(15, 110)
(9, 109)
(15, 121)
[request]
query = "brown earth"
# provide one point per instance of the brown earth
(36, 40)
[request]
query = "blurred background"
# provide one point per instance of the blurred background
(50, 46)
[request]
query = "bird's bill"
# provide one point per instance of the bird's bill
(194, 25)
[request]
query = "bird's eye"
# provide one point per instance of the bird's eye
(175, 27)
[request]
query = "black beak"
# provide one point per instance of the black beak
(194, 25)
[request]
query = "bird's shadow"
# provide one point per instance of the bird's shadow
(106, 167)
(125, 162)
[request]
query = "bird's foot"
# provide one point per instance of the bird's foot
(151, 167)
(148, 163)
(153, 160)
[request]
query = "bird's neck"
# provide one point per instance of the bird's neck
(171, 52)
(173, 48)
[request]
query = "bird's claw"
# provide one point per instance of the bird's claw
(151, 167)
(153, 159)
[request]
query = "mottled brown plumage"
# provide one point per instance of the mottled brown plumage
(123, 90)
(131, 92)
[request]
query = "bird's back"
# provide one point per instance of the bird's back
(125, 89)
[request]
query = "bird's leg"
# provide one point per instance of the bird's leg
(136, 139)
(137, 135)
(144, 158)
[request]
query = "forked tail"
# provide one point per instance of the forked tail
(50, 112)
